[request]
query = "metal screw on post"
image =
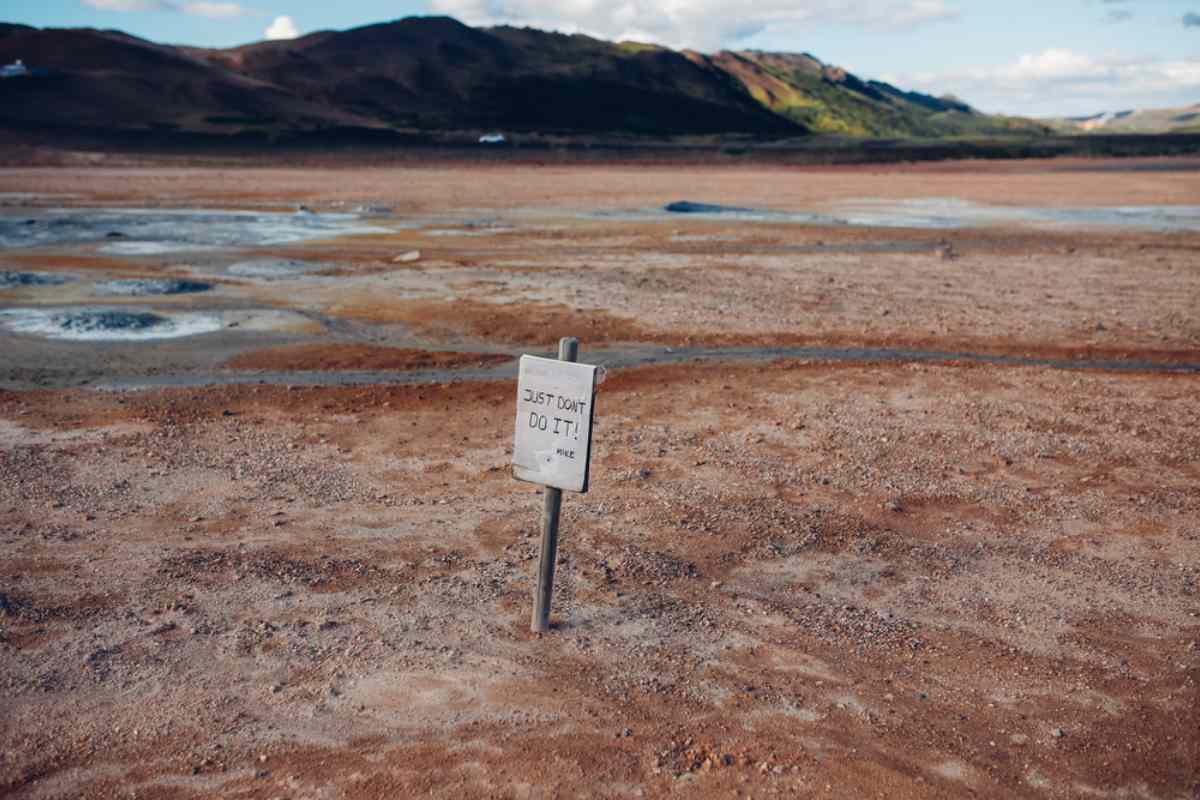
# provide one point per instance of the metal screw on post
(568, 350)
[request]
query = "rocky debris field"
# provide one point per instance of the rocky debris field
(890, 579)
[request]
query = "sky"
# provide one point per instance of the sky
(1023, 57)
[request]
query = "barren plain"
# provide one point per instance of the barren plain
(895, 482)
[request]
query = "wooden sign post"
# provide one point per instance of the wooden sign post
(552, 445)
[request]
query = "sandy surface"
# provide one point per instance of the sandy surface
(438, 187)
(790, 578)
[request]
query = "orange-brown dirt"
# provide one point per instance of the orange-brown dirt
(439, 187)
(554, 268)
(789, 578)
(901, 581)
(725, 284)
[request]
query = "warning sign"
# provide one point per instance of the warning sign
(552, 444)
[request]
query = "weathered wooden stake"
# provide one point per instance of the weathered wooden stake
(568, 350)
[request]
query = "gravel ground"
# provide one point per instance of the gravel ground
(902, 580)
(788, 579)
(555, 251)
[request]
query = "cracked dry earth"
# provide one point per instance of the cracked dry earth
(789, 578)
(866, 581)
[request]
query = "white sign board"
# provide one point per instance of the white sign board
(552, 444)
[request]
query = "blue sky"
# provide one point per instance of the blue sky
(1020, 56)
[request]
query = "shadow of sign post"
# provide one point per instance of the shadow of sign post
(552, 446)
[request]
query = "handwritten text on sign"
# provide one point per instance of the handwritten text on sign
(552, 444)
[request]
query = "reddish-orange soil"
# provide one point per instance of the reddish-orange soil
(814, 577)
(789, 578)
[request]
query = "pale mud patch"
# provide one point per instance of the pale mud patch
(1081, 696)
(955, 770)
(467, 232)
(1135, 791)
(794, 711)
(271, 321)
(804, 664)
(487, 690)
(107, 325)
(275, 269)
(102, 324)
(141, 231)
(152, 248)
(13, 434)
(705, 238)
(1037, 779)
(952, 212)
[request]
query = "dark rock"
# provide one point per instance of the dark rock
(689, 207)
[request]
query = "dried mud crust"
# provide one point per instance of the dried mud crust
(1118, 295)
(794, 579)
(538, 258)
(716, 283)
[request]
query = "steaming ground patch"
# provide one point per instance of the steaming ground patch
(100, 324)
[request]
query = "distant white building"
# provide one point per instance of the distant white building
(14, 70)
(492, 138)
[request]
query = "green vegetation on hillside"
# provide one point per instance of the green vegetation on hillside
(830, 100)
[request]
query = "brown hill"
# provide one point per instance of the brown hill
(417, 73)
(108, 79)
(436, 73)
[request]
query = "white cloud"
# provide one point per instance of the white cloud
(215, 10)
(1062, 82)
(918, 12)
(701, 24)
(1052, 65)
(282, 28)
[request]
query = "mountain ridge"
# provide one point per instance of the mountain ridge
(1180, 119)
(829, 99)
(437, 74)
